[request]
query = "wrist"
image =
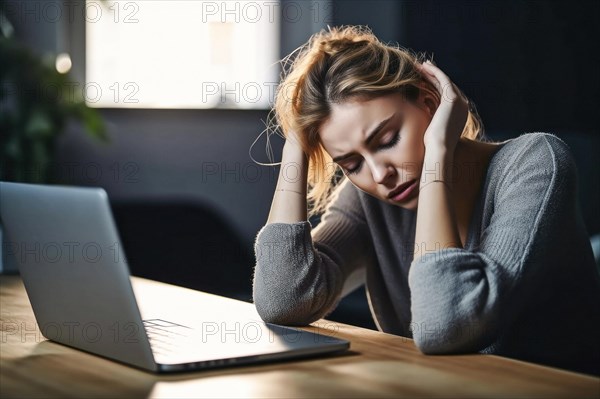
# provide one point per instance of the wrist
(293, 152)
(438, 151)
(294, 165)
(437, 165)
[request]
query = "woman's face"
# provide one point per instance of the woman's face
(379, 144)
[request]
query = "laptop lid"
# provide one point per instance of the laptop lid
(63, 237)
(75, 273)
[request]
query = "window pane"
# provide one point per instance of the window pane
(181, 54)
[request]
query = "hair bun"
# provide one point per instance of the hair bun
(333, 46)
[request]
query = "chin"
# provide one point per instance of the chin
(410, 205)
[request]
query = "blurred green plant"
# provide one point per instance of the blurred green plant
(36, 103)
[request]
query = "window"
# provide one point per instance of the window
(181, 54)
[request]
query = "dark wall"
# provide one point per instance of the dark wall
(529, 65)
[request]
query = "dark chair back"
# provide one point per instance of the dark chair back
(186, 244)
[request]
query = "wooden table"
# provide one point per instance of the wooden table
(377, 365)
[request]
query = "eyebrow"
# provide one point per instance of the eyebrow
(368, 139)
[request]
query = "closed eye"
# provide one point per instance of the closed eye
(385, 145)
(392, 142)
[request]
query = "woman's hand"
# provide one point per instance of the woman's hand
(291, 137)
(292, 144)
(450, 118)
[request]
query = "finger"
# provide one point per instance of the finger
(423, 69)
(437, 72)
(420, 65)
(447, 87)
(434, 82)
(428, 75)
(459, 91)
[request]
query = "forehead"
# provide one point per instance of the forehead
(353, 120)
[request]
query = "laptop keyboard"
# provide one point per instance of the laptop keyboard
(166, 337)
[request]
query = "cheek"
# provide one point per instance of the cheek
(417, 121)
(363, 183)
(414, 147)
(409, 153)
(415, 133)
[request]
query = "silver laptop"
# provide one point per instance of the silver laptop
(77, 279)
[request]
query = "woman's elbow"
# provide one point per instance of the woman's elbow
(279, 311)
(449, 338)
(270, 312)
(429, 346)
(427, 338)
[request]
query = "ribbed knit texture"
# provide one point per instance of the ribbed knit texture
(525, 285)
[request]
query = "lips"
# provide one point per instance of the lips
(400, 188)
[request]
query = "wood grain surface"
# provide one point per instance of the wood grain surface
(377, 365)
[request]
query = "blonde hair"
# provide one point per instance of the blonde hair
(336, 65)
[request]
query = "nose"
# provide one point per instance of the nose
(381, 171)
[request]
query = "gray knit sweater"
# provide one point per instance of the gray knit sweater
(525, 285)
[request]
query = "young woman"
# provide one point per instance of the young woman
(465, 245)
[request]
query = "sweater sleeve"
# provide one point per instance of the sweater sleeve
(460, 299)
(301, 273)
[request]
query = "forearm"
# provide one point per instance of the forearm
(289, 199)
(436, 225)
(293, 284)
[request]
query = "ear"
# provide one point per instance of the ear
(429, 103)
